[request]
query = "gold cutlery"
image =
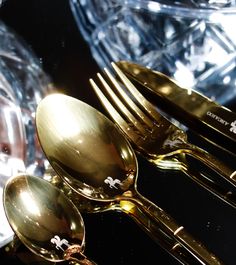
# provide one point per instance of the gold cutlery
(44, 219)
(201, 114)
(94, 159)
(155, 137)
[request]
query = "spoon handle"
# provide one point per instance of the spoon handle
(164, 231)
(76, 257)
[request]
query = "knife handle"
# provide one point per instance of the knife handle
(222, 120)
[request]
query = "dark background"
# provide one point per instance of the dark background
(113, 238)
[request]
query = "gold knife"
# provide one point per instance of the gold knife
(214, 122)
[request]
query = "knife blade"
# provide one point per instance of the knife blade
(215, 123)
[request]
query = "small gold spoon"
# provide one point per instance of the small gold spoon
(44, 219)
(93, 157)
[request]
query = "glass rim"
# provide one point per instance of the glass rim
(156, 6)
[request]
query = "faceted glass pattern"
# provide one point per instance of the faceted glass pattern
(191, 41)
(22, 85)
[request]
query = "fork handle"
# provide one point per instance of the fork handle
(211, 185)
(166, 232)
(212, 162)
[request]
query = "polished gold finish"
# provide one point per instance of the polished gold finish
(93, 157)
(83, 204)
(44, 219)
(157, 233)
(214, 122)
(160, 141)
(148, 224)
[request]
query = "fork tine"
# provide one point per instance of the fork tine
(129, 116)
(144, 118)
(149, 108)
(114, 113)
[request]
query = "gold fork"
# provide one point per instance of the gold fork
(156, 138)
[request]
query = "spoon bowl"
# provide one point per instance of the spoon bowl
(43, 218)
(85, 148)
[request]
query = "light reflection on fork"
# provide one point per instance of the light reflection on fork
(155, 137)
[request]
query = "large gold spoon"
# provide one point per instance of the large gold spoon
(93, 157)
(44, 219)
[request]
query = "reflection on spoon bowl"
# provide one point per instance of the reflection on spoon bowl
(44, 219)
(92, 155)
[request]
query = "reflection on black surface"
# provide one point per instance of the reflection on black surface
(112, 238)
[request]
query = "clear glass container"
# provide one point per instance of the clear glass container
(22, 85)
(192, 41)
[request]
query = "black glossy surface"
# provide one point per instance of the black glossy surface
(112, 238)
